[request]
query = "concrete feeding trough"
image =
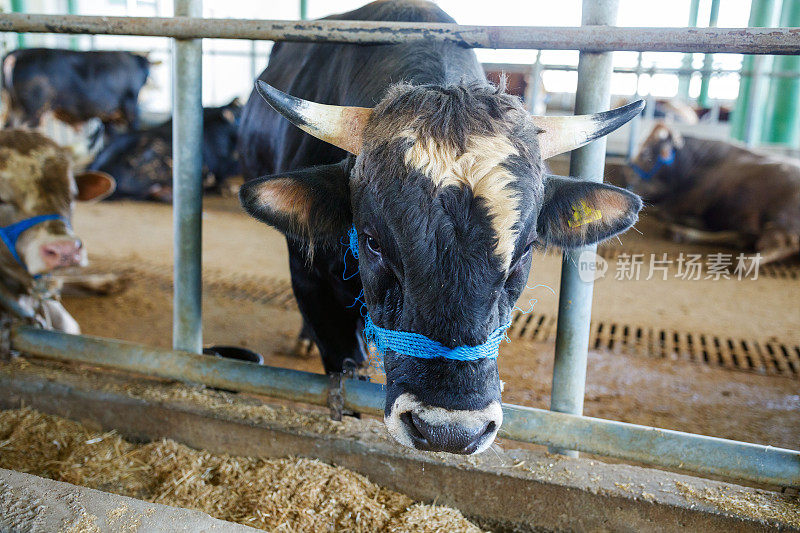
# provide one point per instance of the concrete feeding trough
(549, 492)
(34, 504)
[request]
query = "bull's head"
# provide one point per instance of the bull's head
(37, 189)
(448, 196)
(649, 173)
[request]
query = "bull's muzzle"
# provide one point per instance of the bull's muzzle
(437, 429)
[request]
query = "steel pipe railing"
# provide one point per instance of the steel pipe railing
(652, 70)
(586, 38)
(629, 442)
(187, 128)
(9, 302)
(575, 295)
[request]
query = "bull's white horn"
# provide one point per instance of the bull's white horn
(340, 126)
(562, 134)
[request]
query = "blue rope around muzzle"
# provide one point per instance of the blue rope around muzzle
(661, 163)
(418, 345)
(10, 234)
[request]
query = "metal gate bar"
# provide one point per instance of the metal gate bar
(187, 208)
(629, 442)
(590, 39)
(575, 295)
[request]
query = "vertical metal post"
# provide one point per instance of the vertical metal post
(253, 61)
(187, 132)
(72, 9)
(18, 6)
(303, 9)
(750, 128)
(708, 61)
(684, 80)
(633, 131)
(534, 79)
(575, 300)
(783, 103)
(748, 116)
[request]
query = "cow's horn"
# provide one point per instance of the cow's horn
(562, 134)
(339, 125)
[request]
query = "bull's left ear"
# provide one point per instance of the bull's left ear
(94, 185)
(311, 205)
(577, 213)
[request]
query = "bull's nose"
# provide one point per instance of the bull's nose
(61, 253)
(447, 437)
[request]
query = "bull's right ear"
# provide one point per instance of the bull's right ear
(311, 205)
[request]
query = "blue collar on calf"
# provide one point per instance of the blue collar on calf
(661, 163)
(420, 346)
(10, 234)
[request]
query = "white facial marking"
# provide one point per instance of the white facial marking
(30, 244)
(479, 167)
(438, 416)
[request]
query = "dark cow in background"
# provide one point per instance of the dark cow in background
(442, 176)
(37, 190)
(141, 161)
(716, 191)
(74, 86)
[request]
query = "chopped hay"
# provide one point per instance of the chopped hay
(760, 505)
(240, 406)
(236, 407)
(274, 494)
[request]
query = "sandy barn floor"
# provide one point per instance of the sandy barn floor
(714, 357)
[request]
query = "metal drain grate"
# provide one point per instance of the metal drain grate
(764, 357)
(251, 288)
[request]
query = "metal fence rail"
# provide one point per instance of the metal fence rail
(705, 455)
(630, 442)
(575, 295)
(585, 38)
(187, 133)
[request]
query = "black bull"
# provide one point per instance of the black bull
(75, 86)
(448, 196)
(141, 161)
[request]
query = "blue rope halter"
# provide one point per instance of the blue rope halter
(661, 163)
(10, 234)
(420, 346)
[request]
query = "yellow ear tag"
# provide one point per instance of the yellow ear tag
(583, 214)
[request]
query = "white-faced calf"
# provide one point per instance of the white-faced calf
(37, 190)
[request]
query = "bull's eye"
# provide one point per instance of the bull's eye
(373, 245)
(527, 248)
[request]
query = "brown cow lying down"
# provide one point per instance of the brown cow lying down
(37, 190)
(714, 191)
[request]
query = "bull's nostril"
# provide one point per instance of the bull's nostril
(413, 429)
(447, 437)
